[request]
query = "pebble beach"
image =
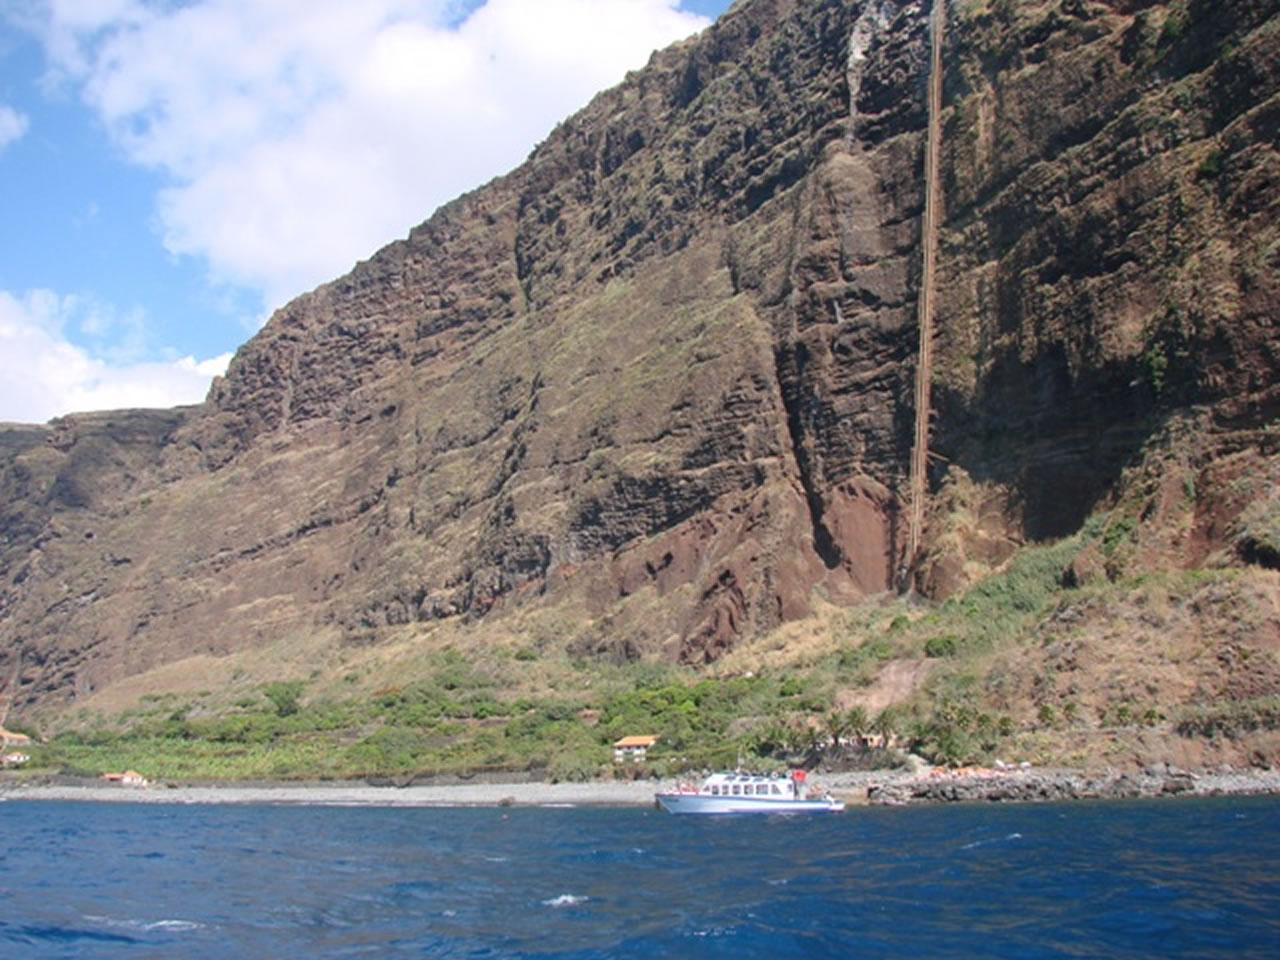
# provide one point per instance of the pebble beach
(856, 788)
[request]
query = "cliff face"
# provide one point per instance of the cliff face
(1108, 253)
(655, 387)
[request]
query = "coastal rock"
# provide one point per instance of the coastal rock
(1048, 786)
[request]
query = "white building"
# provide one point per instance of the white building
(633, 748)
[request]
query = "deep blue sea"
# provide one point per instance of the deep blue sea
(1182, 878)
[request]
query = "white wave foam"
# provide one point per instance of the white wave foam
(145, 925)
(715, 932)
(987, 843)
(173, 925)
(564, 900)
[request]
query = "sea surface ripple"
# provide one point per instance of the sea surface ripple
(1186, 878)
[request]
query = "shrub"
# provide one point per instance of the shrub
(243, 728)
(1210, 166)
(102, 738)
(1118, 531)
(1230, 719)
(1174, 26)
(949, 744)
(391, 748)
(284, 696)
(936, 647)
(574, 767)
(997, 607)
(878, 649)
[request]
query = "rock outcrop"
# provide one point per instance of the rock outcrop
(1056, 786)
(654, 388)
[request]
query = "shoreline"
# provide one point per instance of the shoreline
(353, 794)
(1049, 785)
(862, 788)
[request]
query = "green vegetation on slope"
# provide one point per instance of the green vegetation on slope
(996, 662)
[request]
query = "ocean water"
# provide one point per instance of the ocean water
(1182, 878)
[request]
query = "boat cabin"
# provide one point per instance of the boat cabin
(741, 792)
(748, 785)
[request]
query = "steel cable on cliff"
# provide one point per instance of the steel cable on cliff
(929, 244)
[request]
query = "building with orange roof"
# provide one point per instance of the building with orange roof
(9, 738)
(633, 748)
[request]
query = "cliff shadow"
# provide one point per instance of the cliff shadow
(1058, 439)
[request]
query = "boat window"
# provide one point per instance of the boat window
(761, 789)
(737, 789)
(776, 791)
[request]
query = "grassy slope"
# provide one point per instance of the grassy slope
(1174, 666)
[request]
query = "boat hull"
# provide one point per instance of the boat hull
(698, 803)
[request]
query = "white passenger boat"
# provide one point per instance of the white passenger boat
(738, 792)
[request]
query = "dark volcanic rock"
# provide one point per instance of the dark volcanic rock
(1045, 786)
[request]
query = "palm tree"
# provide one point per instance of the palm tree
(772, 739)
(811, 741)
(837, 725)
(886, 726)
(857, 724)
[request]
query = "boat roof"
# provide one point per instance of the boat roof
(745, 775)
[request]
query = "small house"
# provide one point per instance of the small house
(14, 759)
(633, 748)
(10, 739)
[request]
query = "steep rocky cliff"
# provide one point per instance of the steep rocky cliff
(652, 392)
(1109, 250)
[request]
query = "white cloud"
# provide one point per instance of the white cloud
(43, 375)
(12, 125)
(301, 135)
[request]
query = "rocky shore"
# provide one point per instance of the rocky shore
(1015, 785)
(1048, 785)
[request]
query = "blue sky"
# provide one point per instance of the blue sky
(171, 171)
